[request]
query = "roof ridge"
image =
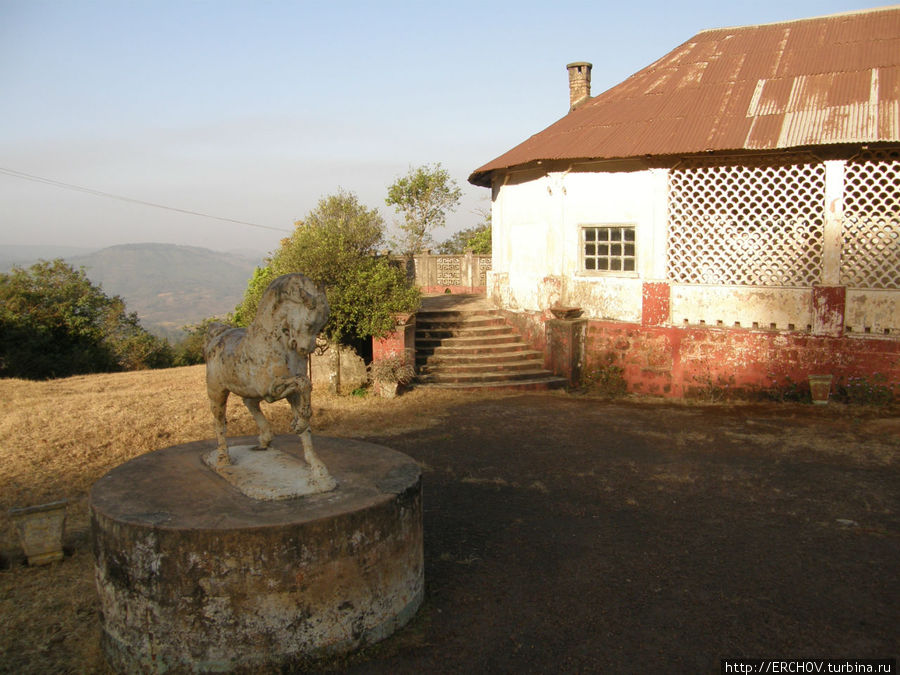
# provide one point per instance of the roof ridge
(850, 12)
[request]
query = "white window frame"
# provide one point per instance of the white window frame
(586, 243)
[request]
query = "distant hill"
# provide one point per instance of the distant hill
(24, 256)
(170, 286)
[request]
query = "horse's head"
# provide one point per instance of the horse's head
(299, 310)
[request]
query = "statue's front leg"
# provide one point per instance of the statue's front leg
(217, 403)
(318, 472)
(299, 399)
(300, 403)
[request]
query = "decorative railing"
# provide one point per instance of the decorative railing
(466, 273)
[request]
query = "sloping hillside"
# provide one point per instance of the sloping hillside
(25, 256)
(169, 286)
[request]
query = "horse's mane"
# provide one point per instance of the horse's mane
(280, 290)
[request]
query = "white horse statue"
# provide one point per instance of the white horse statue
(267, 362)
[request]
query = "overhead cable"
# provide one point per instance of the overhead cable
(100, 193)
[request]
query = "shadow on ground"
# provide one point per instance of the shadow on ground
(577, 535)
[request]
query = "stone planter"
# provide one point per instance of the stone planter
(41, 530)
(387, 389)
(820, 388)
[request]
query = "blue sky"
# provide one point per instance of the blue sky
(255, 110)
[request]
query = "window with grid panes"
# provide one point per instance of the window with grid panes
(608, 248)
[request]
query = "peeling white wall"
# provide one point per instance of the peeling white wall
(536, 229)
(872, 312)
(747, 306)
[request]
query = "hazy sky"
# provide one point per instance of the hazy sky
(255, 110)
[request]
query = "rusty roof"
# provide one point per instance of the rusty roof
(825, 80)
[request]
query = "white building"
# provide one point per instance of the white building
(742, 192)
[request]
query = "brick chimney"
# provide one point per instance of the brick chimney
(579, 83)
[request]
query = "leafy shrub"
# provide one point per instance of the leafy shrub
(54, 323)
(476, 239)
(865, 391)
(392, 368)
(335, 245)
(607, 379)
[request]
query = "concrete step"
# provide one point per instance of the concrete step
(484, 360)
(484, 354)
(455, 314)
(472, 348)
(484, 377)
(476, 349)
(476, 320)
(465, 368)
(536, 384)
(464, 332)
(474, 342)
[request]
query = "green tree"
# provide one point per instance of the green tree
(336, 245)
(476, 239)
(480, 241)
(423, 197)
(54, 322)
(189, 350)
(244, 312)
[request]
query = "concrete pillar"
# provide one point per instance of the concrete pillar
(656, 303)
(828, 306)
(565, 346)
(834, 215)
(401, 341)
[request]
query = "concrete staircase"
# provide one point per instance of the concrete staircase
(470, 346)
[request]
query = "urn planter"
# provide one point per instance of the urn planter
(40, 530)
(559, 312)
(387, 389)
(820, 388)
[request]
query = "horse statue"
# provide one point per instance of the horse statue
(267, 361)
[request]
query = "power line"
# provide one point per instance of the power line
(99, 193)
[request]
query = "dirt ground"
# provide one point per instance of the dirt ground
(568, 533)
(577, 535)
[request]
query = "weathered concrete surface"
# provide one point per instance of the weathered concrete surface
(194, 576)
(40, 530)
(341, 374)
(265, 474)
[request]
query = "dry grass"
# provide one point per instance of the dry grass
(58, 437)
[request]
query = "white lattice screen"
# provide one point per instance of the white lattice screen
(870, 249)
(757, 222)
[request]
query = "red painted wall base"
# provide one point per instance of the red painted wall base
(677, 362)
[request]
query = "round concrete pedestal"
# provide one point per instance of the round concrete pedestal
(194, 576)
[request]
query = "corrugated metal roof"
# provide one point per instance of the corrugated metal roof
(820, 81)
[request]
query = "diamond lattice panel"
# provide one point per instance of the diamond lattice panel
(870, 248)
(754, 223)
